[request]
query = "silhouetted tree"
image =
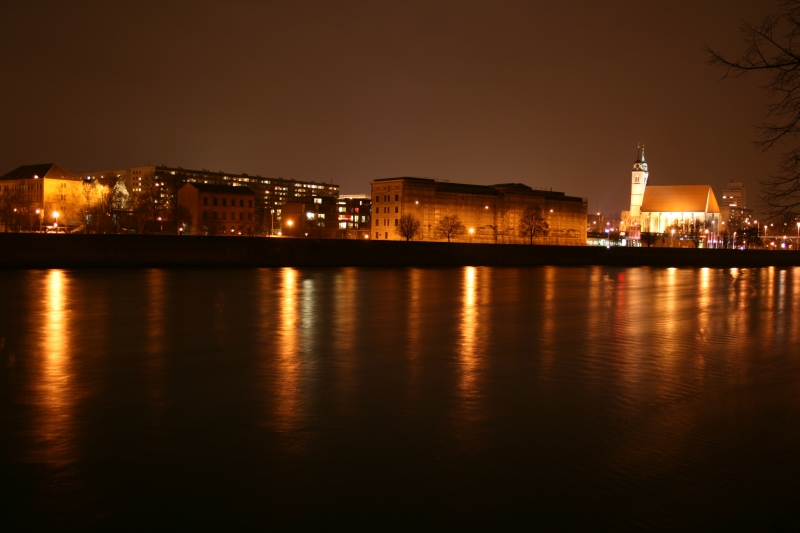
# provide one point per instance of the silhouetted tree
(449, 227)
(409, 227)
(773, 49)
(747, 237)
(533, 224)
(143, 202)
(648, 238)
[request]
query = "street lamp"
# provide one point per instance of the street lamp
(55, 223)
(39, 219)
(472, 232)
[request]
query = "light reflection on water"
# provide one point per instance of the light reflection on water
(289, 353)
(649, 398)
(56, 384)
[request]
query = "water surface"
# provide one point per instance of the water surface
(592, 398)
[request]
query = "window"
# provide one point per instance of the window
(241, 214)
(396, 209)
(224, 213)
(387, 234)
(205, 200)
(233, 202)
(215, 213)
(215, 203)
(224, 202)
(377, 235)
(205, 215)
(249, 216)
(241, 203)
(395, 222)
(396, 197)
(249, 203)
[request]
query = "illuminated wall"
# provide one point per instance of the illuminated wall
(492, 212)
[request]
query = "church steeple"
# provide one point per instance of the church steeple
(640, 164)
(638, 185)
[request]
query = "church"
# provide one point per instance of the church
(675, 210)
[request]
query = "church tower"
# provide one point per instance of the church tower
(638, 183)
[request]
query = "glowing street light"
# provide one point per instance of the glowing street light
(472, 232)
(55, 217)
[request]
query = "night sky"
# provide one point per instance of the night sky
(550, 94)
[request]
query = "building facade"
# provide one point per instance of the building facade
(216, 209)
(490, 214)
(162, 183)
(33, 197)
(678, 207)
(355, 212)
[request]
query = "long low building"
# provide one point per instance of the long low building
(490, 213)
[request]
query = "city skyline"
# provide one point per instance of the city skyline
(553, 96)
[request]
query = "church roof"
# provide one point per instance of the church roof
(679, 199)
(47, 170)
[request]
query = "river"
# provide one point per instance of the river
(554, 398)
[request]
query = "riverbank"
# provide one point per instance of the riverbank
(35, 250)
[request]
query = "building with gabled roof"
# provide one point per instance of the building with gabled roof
(666, 206)
(216, 209)
(34, 196)
(687, 209)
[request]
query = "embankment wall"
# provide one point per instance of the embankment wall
(33, 250)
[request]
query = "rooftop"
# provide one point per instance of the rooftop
(46, 170)
(679, 199)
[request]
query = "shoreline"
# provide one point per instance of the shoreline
(41, 251)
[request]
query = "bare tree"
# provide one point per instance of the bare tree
(773, 48)
(143, 202)
(449, 227)
(648, 238)
(409, 227)
(533, 224)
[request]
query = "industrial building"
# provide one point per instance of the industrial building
(489, 213)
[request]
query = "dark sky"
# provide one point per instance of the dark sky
(550, 94)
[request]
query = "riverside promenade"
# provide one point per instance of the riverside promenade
(36, 250)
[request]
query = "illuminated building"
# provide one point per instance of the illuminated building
(355, 212)
(638, 184)
(311, 217)
(270, 193)
(668, 206)
(664, 208)
(217, 209)
(489, 213)
(33, 194)
(733, 207)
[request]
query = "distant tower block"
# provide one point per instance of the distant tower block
(638, 184)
